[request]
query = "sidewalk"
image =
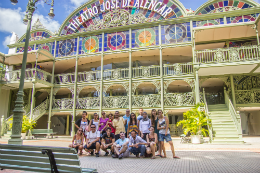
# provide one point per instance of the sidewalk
(201, 158)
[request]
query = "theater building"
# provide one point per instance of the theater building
(113, 55)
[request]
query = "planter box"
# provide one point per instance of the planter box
(196, 139)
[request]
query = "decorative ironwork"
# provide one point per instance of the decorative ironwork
(179, 99)
(88, 103)
(151, 100)
(247, 96)
(116, 102)
(63, 104)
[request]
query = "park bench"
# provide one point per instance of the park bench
(40, 159)
(42, 132)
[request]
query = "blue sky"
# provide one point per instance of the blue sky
(11, 16)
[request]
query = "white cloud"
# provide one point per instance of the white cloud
(77, 3)
(6, 41)
(11, 20)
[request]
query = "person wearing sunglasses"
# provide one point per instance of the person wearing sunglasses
(83, 123)
(77, 141)
(93, 140)
(103, 123)
(137, 145)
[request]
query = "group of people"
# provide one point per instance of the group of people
(140, 135)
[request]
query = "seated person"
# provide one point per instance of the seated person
(137, 145)
(77, 141)
(92, 141)
(108, 139)
(152, 140)
(121, 147)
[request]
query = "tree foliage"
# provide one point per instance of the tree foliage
(26, 125)
(194, 121)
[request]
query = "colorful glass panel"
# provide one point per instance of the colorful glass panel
(21, 49)
(208, 22)
(108, 14)
(47, 46)
(67, 47)
(116, 41)
(177, 33)
(245, 18)
(145, 37)
(91, 44)
(38, 36)
(228, 5)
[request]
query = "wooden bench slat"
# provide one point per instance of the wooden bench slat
(39, 154)
(39, 159)
(40, 165)
(38, 148)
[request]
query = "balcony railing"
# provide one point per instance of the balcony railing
(146, 71)
(113, 74)
(116, 102)
(177, 69)
(88, 103)
(66, 103)
(179, 99)
(234, 54)
(151, 100)
(247, 96)
(30, 74)
(89, 76)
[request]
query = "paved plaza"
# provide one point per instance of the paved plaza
(194, 158)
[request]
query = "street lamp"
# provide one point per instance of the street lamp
(18, 110)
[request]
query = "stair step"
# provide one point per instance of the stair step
(228, 142)
(226, 135)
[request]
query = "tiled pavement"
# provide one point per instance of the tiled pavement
(194, 158)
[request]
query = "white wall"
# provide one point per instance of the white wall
(4, 101)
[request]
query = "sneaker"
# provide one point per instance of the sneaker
(106, 154)
(97, 154)
(114, 156)
(92, 153)
(120, 156)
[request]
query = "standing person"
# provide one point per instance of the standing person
(121, 147)
(132, 125)
(110, 123)
(140, 114)
(154, 120)
(103, 123)
(127, 119)
(77, 141)
(83, 123)
(118, 124)
(95, 121)
(152, 140)
(144, 125)
(93, 140)
(137, 145)
(164, 133)
(108, 139)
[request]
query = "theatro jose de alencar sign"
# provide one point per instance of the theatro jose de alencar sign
(93, 10)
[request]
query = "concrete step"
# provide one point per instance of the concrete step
(227, 142)
(224, 123)
(215, 120)
(229, 135)
(223, 128)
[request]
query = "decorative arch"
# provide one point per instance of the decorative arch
(217, 6)
(89, 88)
(38, 32)
(95, 14)
(181, 83)
(157, 85)
(124, 85)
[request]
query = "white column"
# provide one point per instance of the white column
(101, 81)
(197, 86)
(233, 91)
(161, 69)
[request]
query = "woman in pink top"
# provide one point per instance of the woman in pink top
(103, 123)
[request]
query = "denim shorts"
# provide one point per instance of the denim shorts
(167, 137)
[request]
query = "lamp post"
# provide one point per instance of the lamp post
(18, 110)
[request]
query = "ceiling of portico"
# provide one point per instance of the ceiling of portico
(226, 70)
(212, 82)
(224, 33)
(179, 86)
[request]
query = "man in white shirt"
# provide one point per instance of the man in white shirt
(93, 140)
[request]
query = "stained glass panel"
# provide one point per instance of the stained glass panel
(145, 37)
(228, 5)
(21, 49)
(91, 44)
(38, 36)
(66, 48)
(208, 22)
(116, 41)
(177, 33)
(238, 19)
(47, 46)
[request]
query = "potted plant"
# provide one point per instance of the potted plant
(194, 122)
(27, 125)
